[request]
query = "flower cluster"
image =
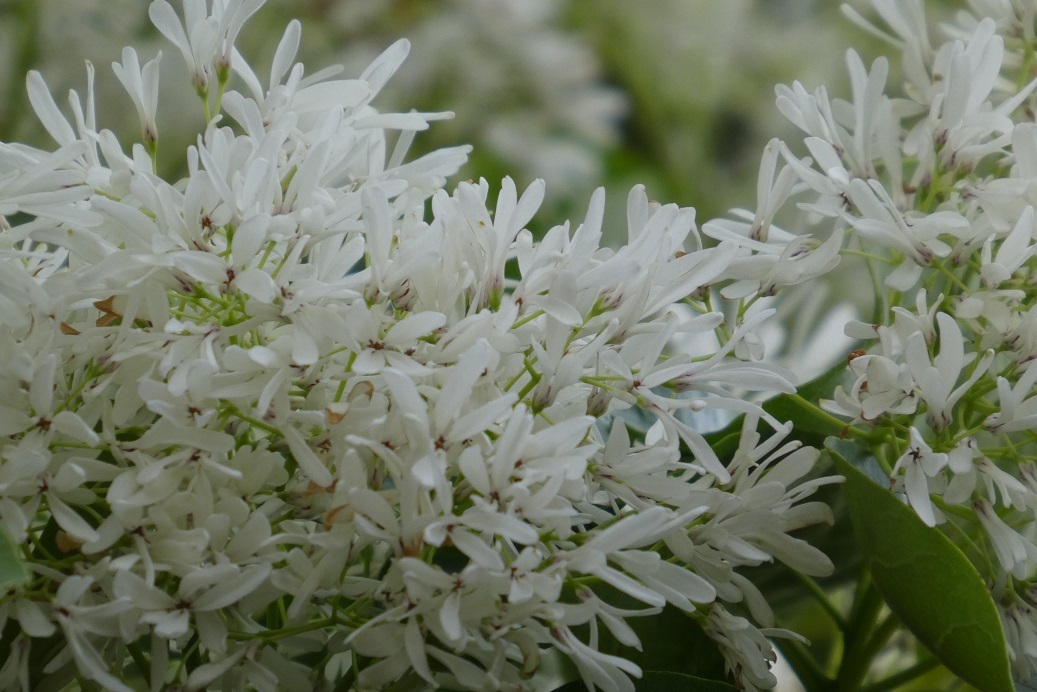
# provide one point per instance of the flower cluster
(304, 418)
(933, 190)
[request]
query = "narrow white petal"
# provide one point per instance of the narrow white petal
(231, 591)
(47, 111)
(307, 460)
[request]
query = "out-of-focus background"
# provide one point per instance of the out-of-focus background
(676, 94)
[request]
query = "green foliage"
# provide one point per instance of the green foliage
(925, 580)
(663, 681)
(811, 425)
(672, 641)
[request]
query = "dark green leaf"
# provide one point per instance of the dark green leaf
(808, 427)
(663, 681)
(12, 570)
(788, 407)
(670, 640)
(925, 580)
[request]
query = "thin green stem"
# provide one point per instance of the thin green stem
(880, 637)
(281, 633)
(862, 635)
(528, 318)
(141, 662)
(256, 422)
(897, 680)
(348, 679)
(828, 419)
(203, 94)
(821, 596)
(881, 307)
(803, 664)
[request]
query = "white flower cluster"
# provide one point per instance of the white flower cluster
(935, 189)
(268, 427)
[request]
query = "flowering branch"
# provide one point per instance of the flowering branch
(272, 413)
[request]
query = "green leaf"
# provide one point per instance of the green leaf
(925, 580)
(663, 681)
(810, 426)
(12, 570)
(808, 423)
(670, 640)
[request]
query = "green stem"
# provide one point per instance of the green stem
(256, 422)
(803, 664)
(152, 147)
(88, 685)
(528, 318)
(881, 307)
(141, 662)
(880, 637)
(897, 680)
(821, 596)
(275, 634)
(859, 643)
(348, 679)
(828, 419)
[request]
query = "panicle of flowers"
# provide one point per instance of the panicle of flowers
(932, 188)
(276, 411)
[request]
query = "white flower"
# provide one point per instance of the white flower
(800, 260)
(916, 236)
(751, 525)
(1015, 552)
(1016, 249)
(205, 40)
(1017, 411)
(936, 377)
(632, 531)
(1019, 620)
(965, 128)
(82, 622)
(746, 650)
(919, 464)
(882, 386)
(142, 86)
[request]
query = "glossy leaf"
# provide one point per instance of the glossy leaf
(807, 423)
(12, 570)
(663, 681)
(925, 579)
(808, 428)
(670, 640)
